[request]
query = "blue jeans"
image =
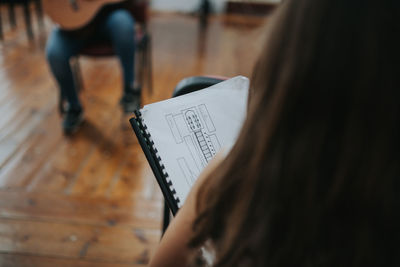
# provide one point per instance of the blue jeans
(118, 27)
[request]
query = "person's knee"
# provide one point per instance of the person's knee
(121, 22)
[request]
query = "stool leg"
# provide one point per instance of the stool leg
(166, 217)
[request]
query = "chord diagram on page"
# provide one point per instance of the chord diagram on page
(206, 147)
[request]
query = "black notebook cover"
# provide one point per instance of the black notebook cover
(150, 152)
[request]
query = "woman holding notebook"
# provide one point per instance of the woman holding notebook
(314, 177)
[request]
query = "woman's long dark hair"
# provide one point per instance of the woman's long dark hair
(314, 178)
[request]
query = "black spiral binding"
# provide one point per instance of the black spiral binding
(154, 159)
(164, 172)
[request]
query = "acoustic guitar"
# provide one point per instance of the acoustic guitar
(74, 14)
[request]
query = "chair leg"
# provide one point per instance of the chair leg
(76, 71)
(204, 12)
(149, 65)
(11, 15)
(144, 64)
(39, 13)
(1, 28)
(143, 60)
(61, 104)
(166, 217)
(28, 24)
(139, 64)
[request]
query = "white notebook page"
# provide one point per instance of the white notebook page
(189, 130)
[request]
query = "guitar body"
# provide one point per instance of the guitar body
(74, 14)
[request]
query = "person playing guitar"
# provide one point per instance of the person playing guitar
(81, 22)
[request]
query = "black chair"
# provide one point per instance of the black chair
(27, 14)
(185, 86)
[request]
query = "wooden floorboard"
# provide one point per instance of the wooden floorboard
(138, 212)
(91, 199)
(28, 260)
(123, 244)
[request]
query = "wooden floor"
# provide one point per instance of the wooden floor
(91, 200)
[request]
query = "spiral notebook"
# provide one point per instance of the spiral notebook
(179, 136)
